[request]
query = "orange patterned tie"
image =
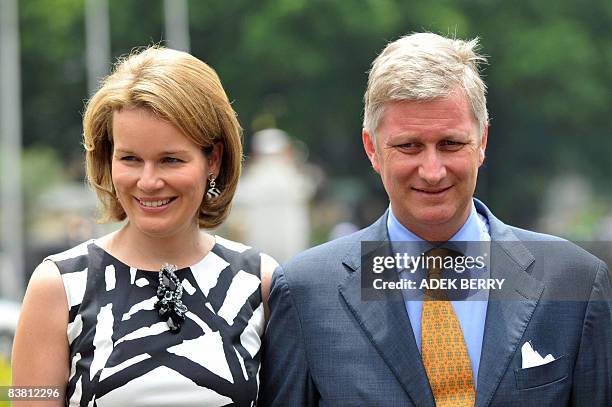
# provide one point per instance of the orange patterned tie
(443, 348)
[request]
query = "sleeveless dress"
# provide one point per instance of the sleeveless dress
(123, 354)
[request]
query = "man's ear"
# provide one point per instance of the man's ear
(214, 158)
(483, 144)
(370, 149)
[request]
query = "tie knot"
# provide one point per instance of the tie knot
(439, 258)
(436, 260)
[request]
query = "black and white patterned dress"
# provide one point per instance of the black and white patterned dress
(122, 354)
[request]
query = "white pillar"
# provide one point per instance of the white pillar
(12, 265)
(176, 20)
(97, 33)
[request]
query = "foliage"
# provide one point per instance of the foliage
(301, 65)
(5, 377)
(41, 169)
(53, 73)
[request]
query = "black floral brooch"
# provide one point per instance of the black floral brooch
(169, 294)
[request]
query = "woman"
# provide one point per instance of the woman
(159, 312)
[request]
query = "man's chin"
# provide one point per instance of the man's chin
(434, 216)
(430, 220)
(440, 221)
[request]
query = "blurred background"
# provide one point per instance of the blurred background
(296, 71)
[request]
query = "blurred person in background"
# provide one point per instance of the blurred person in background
(425, 132)
(159, 312)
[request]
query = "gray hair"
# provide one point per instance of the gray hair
(422, 67)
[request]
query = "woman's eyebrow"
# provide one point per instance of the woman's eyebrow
(166, 152)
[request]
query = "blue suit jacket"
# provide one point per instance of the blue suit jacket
(325, 346)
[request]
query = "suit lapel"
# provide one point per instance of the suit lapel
(509, 310)
(386, 324)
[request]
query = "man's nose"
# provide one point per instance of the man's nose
(432, 169)
(149, 178)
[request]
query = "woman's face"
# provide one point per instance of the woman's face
(159, 175)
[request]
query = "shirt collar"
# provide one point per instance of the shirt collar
(472, 239)
(475, 229)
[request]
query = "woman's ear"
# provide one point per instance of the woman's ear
(215, 158)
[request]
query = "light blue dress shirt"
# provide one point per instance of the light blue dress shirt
(471, 314)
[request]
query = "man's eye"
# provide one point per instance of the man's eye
(408, 146)
(451, 145)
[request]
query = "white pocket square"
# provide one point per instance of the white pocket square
(531, 358)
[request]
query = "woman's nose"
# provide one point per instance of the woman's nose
(149, 179)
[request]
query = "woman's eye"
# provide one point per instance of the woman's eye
(171, 160)
(128, 158)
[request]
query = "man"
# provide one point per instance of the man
(542, 339)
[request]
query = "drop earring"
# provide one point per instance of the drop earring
(213, 191)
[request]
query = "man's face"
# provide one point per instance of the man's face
(428, 154)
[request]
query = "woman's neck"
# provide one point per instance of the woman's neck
(145, 252)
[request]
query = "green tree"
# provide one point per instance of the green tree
(302, 66)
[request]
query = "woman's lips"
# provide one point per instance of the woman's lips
(154, 205)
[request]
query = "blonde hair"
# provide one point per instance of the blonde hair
(176, 87)
(422, 67)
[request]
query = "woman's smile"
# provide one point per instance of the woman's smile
(160, 189)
